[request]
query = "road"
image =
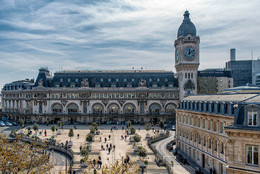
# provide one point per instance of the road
(178, 167)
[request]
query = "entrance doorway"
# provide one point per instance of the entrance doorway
(203, 160)
(56, 120)
(155, 120)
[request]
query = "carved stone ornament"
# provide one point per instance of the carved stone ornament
(180, 76)
(40, 82)
(83, 95)
(64, 102)
(163, 102)
(121, 102)
(105, 102)
(142, 83)
(85, 83)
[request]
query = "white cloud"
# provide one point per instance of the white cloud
(120, 34)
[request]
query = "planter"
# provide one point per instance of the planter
(70, 143)
(135, 148)
(147, 136)
(85, 164)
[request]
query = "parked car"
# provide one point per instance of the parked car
(8, 124)
(2, 124)
(14, 123)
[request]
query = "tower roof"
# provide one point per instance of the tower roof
(187, 27)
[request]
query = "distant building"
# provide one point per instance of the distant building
(220, 133)
(213, 81)
(0, 102)
(109, 96)
(243, 71)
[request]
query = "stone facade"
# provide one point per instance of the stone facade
(214, 131)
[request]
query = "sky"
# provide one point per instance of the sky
(119, 34)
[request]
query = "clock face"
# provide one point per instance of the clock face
(189, 53)
(177, 55)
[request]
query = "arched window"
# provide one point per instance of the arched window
(155, 108)
(97, 109)
(170, 108)
(113, 109)
(129, 109)
(72, 108)
(56, 108)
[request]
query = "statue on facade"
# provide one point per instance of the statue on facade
(142, 83)
(85, 83)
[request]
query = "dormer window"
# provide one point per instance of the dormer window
(68, 80)
(61, 80)
(101, 80)
(76, 80)
(124, 80)
(109, 80)
(252, 117)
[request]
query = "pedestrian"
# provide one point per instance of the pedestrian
(95, 171)
(78, 136)
(125, 137)
(94, 162)
(111, 130)
(110, 145)
(122, 137)
(100, 139)
(45, 132)
(107, 146)
(109, 136)
(109, 150)
(99, 157)
(139, 128)
(114, 147)
(105, 140)
(122, 128)
(101, 147)
(80, 148)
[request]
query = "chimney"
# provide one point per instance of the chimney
(232, 54)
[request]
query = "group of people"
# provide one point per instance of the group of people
(108, 147)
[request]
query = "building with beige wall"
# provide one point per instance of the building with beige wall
(218, 131)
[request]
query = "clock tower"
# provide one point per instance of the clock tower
(187, 57)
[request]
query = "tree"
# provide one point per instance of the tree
(92, 129)
(53, 128)
(22, 123)
(20, 157)
(137, 138)
(129, 124)
(142, 152)
(132, 130)
(59, 124)
(89, 137)
(35, 127)
(161, 124)
(94, 124)
(147, 127)
(119, 166)
(71, 133)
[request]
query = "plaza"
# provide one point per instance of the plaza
(122, 147)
